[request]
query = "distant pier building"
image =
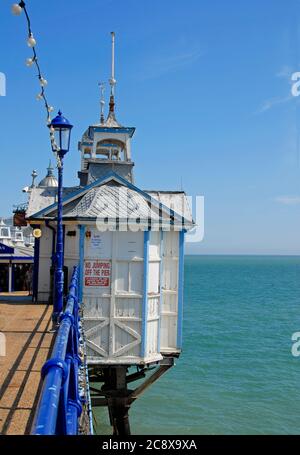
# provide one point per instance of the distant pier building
(16, 258)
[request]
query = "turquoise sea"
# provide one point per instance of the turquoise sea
(236, 374)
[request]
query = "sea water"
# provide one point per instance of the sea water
(236, 374)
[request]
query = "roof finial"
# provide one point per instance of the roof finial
(50, 169)
(34, 175)
(112, 80)
(102, 102)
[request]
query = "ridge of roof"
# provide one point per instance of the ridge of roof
(105, 179)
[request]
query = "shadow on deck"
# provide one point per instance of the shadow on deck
(29, 343)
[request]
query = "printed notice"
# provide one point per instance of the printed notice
(97, 273)
(96, 241)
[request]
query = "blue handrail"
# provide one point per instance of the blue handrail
(60, 405)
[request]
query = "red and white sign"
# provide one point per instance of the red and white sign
(97, 273)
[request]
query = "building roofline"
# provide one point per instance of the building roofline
(108, 177)
(165, 191)
(113, 129)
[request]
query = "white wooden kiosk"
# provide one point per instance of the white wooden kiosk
(130, 247)
(131, 277)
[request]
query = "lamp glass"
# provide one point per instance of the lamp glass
(62, 138)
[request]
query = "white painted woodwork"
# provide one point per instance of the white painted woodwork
(113, 310)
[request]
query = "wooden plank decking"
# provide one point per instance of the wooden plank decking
(26, 327)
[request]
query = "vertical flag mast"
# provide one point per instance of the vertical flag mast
(112, 81)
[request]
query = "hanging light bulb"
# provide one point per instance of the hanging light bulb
(50, 108)
(39, 97)
(16, 9)
(31, 41)
(43, 82)
(30, 61)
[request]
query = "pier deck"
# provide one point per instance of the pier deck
(26, 327)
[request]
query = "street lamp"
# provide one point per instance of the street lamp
(61, 129)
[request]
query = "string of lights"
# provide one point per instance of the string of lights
(17, 9)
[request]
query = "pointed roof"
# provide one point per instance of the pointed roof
(111, 121)
(113, 197)
(49, 181)
(112, 200)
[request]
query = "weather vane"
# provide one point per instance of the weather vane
(102, 101)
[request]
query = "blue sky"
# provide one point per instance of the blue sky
(206, 84)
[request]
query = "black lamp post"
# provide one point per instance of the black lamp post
(61, 128)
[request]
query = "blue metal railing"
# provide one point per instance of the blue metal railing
(60, 405)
